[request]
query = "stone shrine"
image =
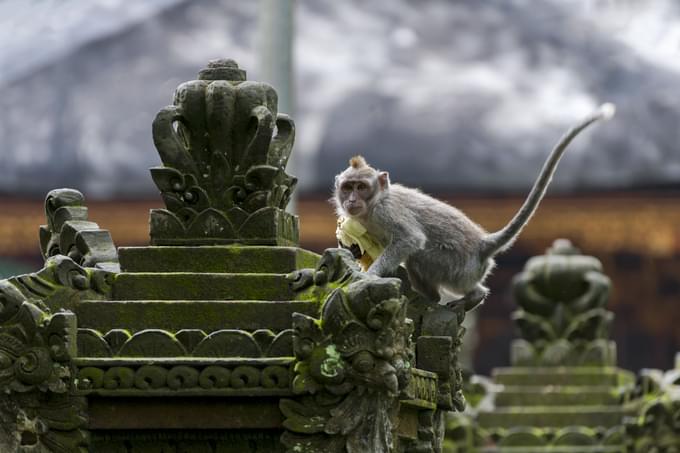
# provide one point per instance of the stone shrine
(222, 335)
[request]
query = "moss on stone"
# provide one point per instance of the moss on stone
(216, 259)
(202, 286)
(208, 316)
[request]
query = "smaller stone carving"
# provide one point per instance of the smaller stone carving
(562, 317)
(68, 232)
(352, 364)
(656, 428)
(223, 177)
(62, 283)
(36, 375)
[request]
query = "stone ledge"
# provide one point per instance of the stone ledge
(216, 259)
(196, 286)
(556, 416)
(207, 315)
(538, 376)
(557, 396)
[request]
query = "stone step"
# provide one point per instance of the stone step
(564, 395)
(553, 416)
(207, 286)
(560, 449)
(563, 376)
(216, 259)
(175, 315)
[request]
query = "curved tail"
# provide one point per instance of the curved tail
(501, 240)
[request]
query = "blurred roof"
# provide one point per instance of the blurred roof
(448, 96)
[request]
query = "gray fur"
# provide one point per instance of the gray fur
(440, 246)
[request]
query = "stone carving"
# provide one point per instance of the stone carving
(36, 409)
(352, 364)
(657, 425)
(562, 319)
(161, 377)
(68, 232)
(223, 177)
(563, 390)
(189, 441)
(62, 283)
(186, 342)
(39, 411)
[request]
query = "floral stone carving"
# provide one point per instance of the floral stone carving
(223, 177)
(352, 364)
(562, 317)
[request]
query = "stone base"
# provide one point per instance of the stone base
(564, 353)
(266, 226)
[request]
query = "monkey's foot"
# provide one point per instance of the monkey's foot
(471, 300)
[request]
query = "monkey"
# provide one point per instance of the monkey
(441, 248)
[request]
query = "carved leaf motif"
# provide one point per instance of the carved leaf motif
(589, 326)
(303, 418)
(170, 147)
(533, 328)
(282, 145)
(221, 178)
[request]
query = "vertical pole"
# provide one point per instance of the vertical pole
(275, 33)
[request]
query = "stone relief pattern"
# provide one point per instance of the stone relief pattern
(562, 317)
(352, 364)
(223, 174)
(185, 343)
(203, 441)
(423, 386)
(196, 377)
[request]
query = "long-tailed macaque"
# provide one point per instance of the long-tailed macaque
(441, 248)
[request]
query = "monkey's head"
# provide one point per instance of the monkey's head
(358, 188)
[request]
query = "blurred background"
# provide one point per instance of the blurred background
(462, 98)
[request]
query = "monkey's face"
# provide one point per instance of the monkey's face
(354, 196)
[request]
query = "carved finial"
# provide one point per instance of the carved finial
(222, 69)
(563, 247)
(224, 149)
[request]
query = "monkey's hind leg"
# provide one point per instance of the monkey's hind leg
(471, 299)
(420, 284)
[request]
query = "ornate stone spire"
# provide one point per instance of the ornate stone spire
(224, 149)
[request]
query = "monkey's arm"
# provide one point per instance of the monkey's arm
(402, 245)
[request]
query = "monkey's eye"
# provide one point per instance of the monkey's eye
(362, 186)
(346, 187)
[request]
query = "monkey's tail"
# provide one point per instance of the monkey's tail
(502, 240)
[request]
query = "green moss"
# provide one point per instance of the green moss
(216, 259)
(203, 286)
(332, 365)
(535, 376)
(208, 316)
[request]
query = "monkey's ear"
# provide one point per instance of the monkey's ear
(384, 179)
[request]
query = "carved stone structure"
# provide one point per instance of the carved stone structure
(563, 392)
(656, 426)
(223, 335)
